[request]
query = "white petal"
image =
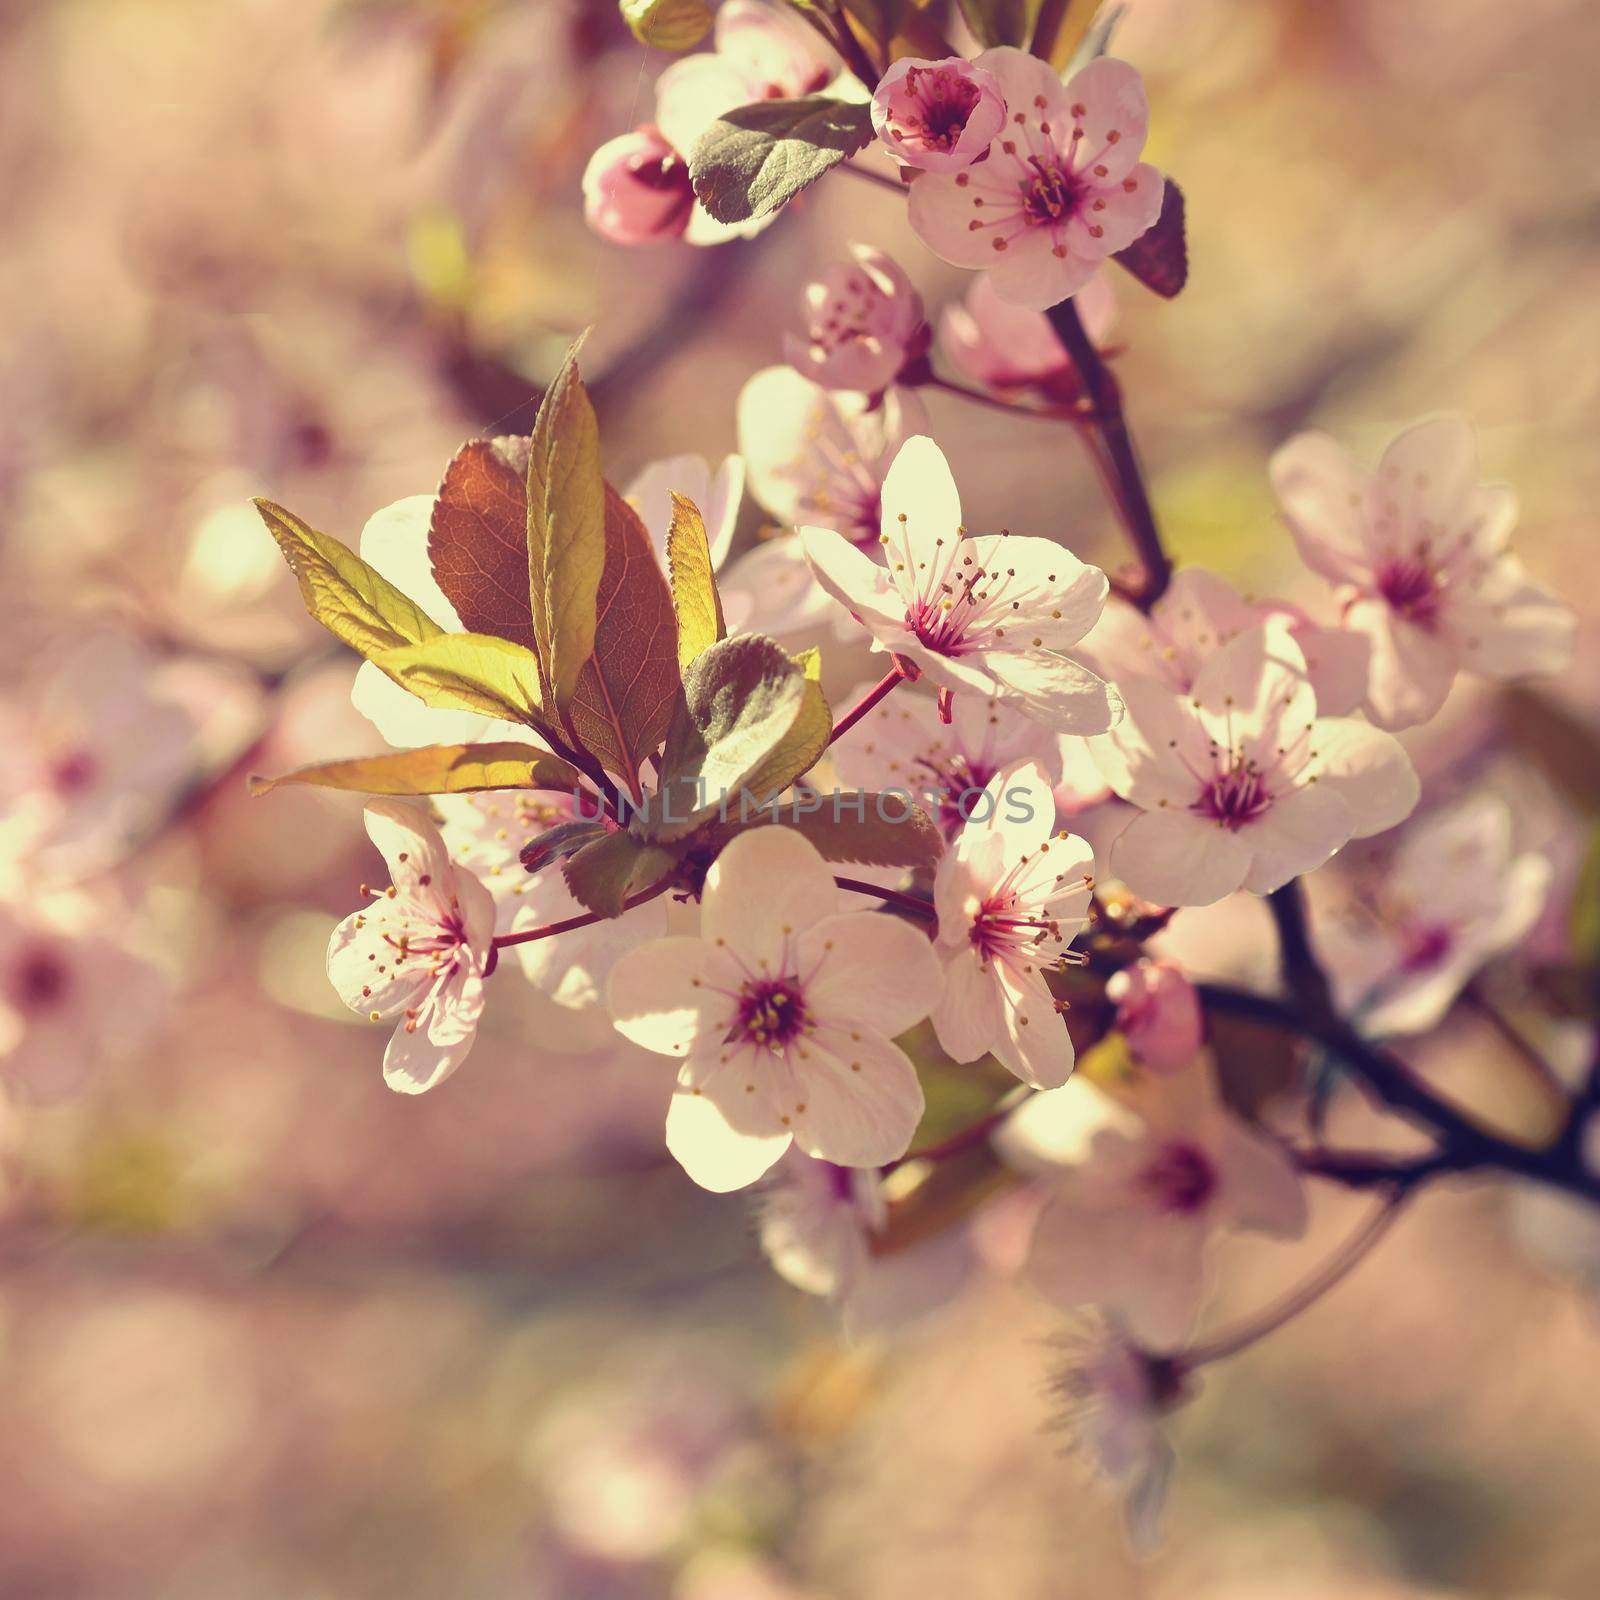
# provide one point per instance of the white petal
(1034, 1045)
(1429, 472)
(1176, 859)
(865, 969)
(716, 1156)
(767, 887)
(1323, 493)
(1056, 692)
(395, 542)
(1369, 770)
(423, 1055)
(419, 865)
(1152, 755)
(657, 996)
(862, 1101)
(967, 1018)
(856, 581)
(920, 491)
(1411, 671)
(1260, 1188)
(1296, 834)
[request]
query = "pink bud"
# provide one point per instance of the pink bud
(938, 115)
(1158, 1012)
(864, 324)
(636, 189)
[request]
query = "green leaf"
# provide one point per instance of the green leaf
(740, 698)
(469, 672)
(1159, 257)
(602, 875)
(668, 24)
(625, 692)
(799, 750)
(1001, 21)
(436, 769)
(566, 529)
(756, 158)
(695, 601)
(875, 830)
(351, 600)
(1060, 27)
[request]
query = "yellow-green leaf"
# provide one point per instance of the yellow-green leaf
(799, 750)
(668, 24)
(436, 769)
(469, 672)
(566, 529)
(695, 601)
(603, 874)
(351, 600)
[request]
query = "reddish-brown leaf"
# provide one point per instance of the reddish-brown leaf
(478, 539)
(1159, 258)
(625, 693)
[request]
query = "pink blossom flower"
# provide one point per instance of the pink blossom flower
(1062, 188)
(71, 995)
(947, 766)
(1239, 782)
(1158, 1013)
(1115, 1398)
(1418, 552)
(636, 189)
(985, 614)
(1452, 894)
(1011, 899)
(1197, 614)
(420, 951)
(1129, 1225)
(812, 457)
(864, 325)
(1006, 348)
(783, 1011)
(937, 115)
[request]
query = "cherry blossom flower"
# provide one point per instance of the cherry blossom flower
(636, 189)
(946, 766)
(783, 1010)
(1158, 1013)
(1240, 783)
(70, 994)
(1129, 1224)
(987, 614)
(1199, 612)
(1115, 1398)
(812, 457)
(821, 1225)
(1452, 894)
(394, 542)
(1062, 189)
(420, 951)
(93, 757)
(1417, 551)
(864, 325)
(1007, 349)
(938, 115)
(1010, 899)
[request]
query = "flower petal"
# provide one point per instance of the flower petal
(862, 1101)
(967, 1018)
(1369, 770)
(1176, 859)
(1295, 834)
(714, 1154)
(865, 969)
(768, 886)
(657, 996)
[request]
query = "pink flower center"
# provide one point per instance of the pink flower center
(1180, 1178)
(1004, 926)
(1235, 797)
(1052, 195)
(771, 1013)
(1426, 947)
(958, 782)
(1410, 587)
(39, 981)
(942, 103)
(75, 772)
(946, 614)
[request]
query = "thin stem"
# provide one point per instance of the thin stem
(1331, 1273)
(1302, 972)
(995, 403)
(867, 175)
(893, 897)
(873, 695)
(1133, 501)
(571, 924)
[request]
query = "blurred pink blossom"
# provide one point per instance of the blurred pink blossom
(636, 189)
(864, 325)
(1158, 1012)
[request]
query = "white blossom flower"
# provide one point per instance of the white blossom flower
(419, 951)
(783, 1010)
(1129, 1223)
(1418, 553)
(717, 497)
(1010, 900)
(1239, 781)
(1196, 615)
(1452, 894)
(986, 614)
(1115, 1398)
(946, 765)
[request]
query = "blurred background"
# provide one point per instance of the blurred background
(268, 1330)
